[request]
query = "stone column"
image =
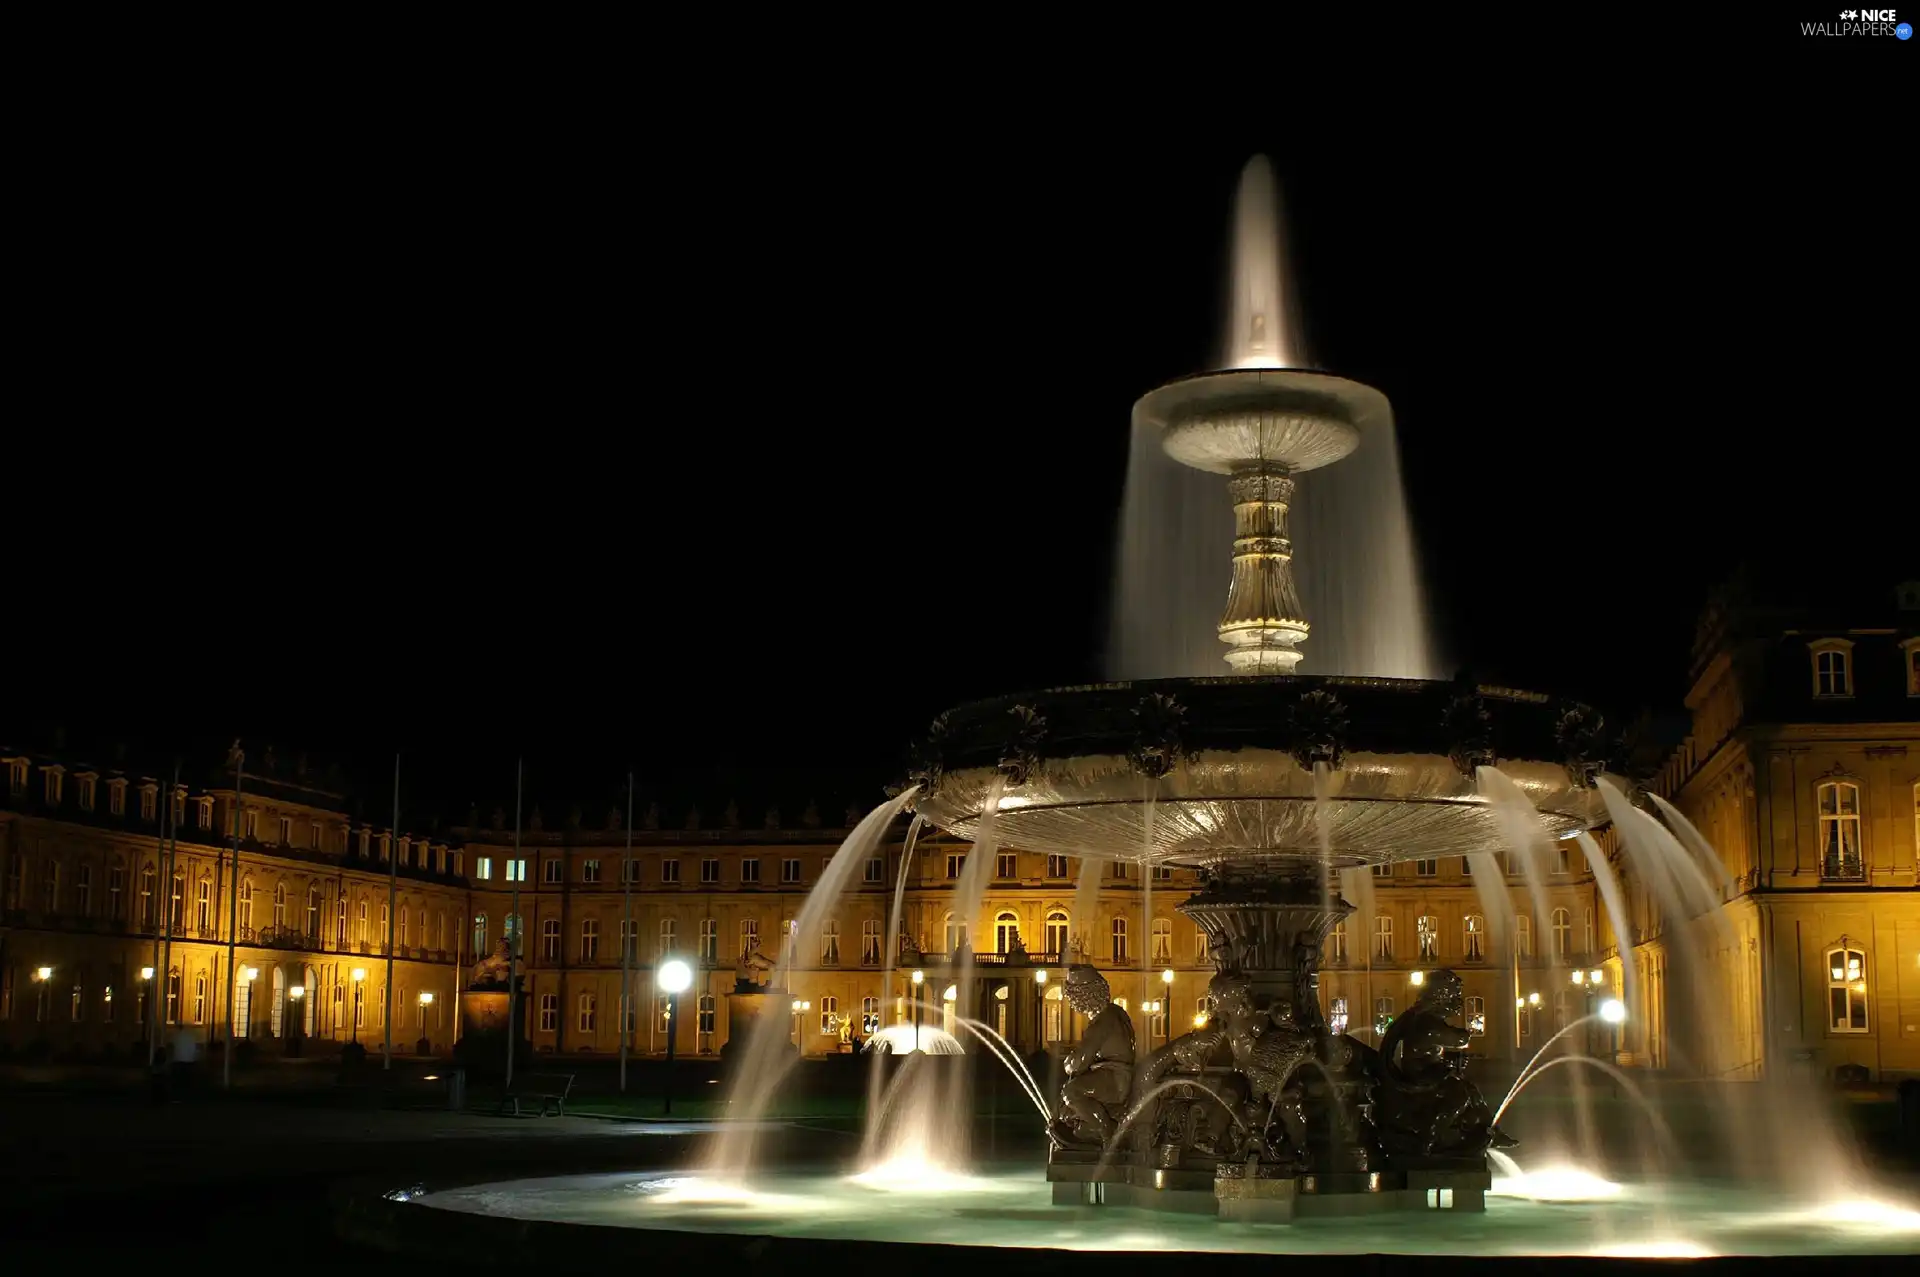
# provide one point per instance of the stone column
(1256, 920)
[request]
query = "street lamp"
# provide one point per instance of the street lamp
(1416, 978)
(298, 993)
(425, 1045)
(1613, 1011)
(43, 974)
(1040, 1008)
(359, 974)
(673, 977)
(919, 978)
(800, 1008)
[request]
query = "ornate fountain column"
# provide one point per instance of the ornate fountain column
(1263, 623)
(1262, 925)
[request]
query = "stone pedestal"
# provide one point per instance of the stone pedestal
(1263, 925)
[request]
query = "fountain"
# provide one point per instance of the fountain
(1281, 790)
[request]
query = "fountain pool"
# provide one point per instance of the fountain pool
(1009, 1206)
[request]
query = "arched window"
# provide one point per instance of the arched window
(1006, 930)
(1163, 940)
(1832, 667)
(279, 904)
(1840, 858)
(277, 1025)
(340, 921)
(406, 930)
(246, 904)
(1119, 939)
(829, 1014)
(1846, 989)
(956, 934)
(1057, 942)
(869, 1016)
(365, 924)
(479, 934)
(1055, 1014)
(148, 880)
(1383, 937)
(1562, 923)
(173, 996)
(199, 997)
(1523, 935)
(1475, 939)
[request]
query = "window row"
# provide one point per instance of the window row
(1833, 672)
(1475, 939)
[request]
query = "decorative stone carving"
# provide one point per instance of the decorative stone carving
(494, 970)
(1319, 723)
(1098, 1069)
(1160, 745)
(772, 819)
(499, 820)
(810, 818)
(1578, 734)
(1469, 729)
(1022, 752)
(652, 819)
(534, 822)
(693, 818)
(926, 758)
(1425, 1106)
(613, 819)
(730, 816)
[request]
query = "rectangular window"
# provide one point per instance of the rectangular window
(1840, 856)
(629, 871)
(669, 871)
(749, 935)
(549, 1012)
(870, 943)
(83, 890)
(1466, 866)
(709, 941)
(1830, 674)
(286, 831)
(708, 1007)
(1337, 1016)
(117, 797)
(87, 788)
(1056, 866)
(149, 803)
(876, 869)
(590, 871)
(589, 1012)
(1383, 937)
(1383, 871)
(1428, 929)
(954, 862)
(590, 940)
(710, 870)
(517, 870)
(1006, 865)
(553, 869)
(550, 939)
(1163, 873)
(1426, 868)
(750, 870)
(790, 869)
(483, 867)
(116, 886)
(1476, 1015)
(252, 826)
(1846, 991)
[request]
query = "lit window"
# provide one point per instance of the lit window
(1562, 924)
(1846, 989)
(1838, 803)
(1336, 1015)
(870, 943)
(1162, 940)
(1427, 933)
(869, 1016)
(1383, 937)
(1119, 940)
(829, 1014)
(517, 870)
(1476, 1015)
(1057, 942)
(830, 943)
(1006, 931)
(1382, 1014)
(483, 867)
(1832, 667)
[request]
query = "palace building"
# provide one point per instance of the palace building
(1802, 769)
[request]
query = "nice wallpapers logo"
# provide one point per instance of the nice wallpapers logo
(1862, 22)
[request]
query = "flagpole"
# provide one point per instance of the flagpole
(627, 941)
(513, 947)
(393, 887)
(233, 911)
(159, 972)
(166, 904)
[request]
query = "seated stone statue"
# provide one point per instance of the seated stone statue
(1272, 1059)
(1424, 1105)
(1099, 1068)
(494, 970)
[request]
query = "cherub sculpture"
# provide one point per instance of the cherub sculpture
(1425, 1106)
(1099, 1068)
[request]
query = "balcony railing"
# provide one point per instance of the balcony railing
(1843, 869)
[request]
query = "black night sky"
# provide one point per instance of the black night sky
(737, 463)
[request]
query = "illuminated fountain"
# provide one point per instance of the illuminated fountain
(1279, 790)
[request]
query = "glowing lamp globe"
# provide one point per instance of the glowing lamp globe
(674, 976)
(1613, 1011)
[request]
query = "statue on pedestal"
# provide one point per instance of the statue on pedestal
(1099, 1068)
(494, 970)
(1425, 1106)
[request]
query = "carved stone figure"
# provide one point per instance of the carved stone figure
(1160, 745)
(494, 970)
(1425, 1106)
(1273, 1056)
(1022, 752)
(754, 970)
(1099, 1068)
(1319, 722)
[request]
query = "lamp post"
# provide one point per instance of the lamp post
(673, 977)
(425, 1045)
(919, 978)
(41, 975)
(1040, 1008)
(247, 976)
(359, 974)
(800, 1008)
(146, 1003)
(298, 993)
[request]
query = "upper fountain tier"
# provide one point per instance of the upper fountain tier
(1229, 765)
(1241, 419)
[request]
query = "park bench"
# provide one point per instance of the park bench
(547, 1090)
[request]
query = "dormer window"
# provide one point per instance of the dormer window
(117, 797)
(286, 831)
(204, 817)
(1910, 653)
(318, 838)
(17, 775)
(56, 778)
(179, 808)
(149, 802)
(89, 790)
(1832, 668)
(364, 836)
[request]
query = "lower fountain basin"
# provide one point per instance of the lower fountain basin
(1228, 763)
(1001, 1209)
